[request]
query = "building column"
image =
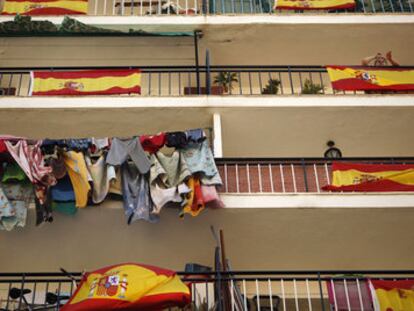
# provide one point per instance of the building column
(217, 140)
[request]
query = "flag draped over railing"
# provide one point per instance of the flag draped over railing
(393, 295)
(129, 287)
(365, 78)
(314, 4)
(45, 7)
(371, 177)
(86, 82)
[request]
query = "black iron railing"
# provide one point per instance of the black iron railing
(285, 175)
(236, 290)
(203, 80)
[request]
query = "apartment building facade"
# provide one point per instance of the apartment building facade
(269, 148)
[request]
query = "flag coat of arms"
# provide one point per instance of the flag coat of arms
(313, 4)
(129, 287)
(86, 82)
(371, 177)
(393, 295)
(371, 78)
(45, 7)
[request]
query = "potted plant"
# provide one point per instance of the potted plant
(272, 87)
(311, 88)
(225, 79)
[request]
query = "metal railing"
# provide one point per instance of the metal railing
(210, 80)
(223, 291)
(213, 7)
(289, 175)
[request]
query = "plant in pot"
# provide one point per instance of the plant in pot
(272, 87)
(311, 88)
(225, 79)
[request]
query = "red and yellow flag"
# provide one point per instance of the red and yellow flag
(129, 287)
(371, 78)
(371, 177)
(45, 7)
(314, 4)
(393, 295)
(88, 82)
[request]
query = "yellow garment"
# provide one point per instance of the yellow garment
(194, 203)
(396, 299)
(78, 173)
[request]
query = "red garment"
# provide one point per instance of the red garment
(3, 147)
(152, 143)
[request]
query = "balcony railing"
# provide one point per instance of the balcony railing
(294, 175)
(223, 291)
(213, 7)
(192, 80)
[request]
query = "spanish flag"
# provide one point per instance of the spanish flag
(393, 295)
(45, 7)
(313, 4)
(88, 82)
(371, 78)
(371, 177)
(129, 287)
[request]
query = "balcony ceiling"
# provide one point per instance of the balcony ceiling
(255, 239)
(281, 126)
(234, 44)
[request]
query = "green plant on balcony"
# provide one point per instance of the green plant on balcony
(225, 79)
(272, 87)
(311, 88)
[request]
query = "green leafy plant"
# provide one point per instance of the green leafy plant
(311, 88)
(226, 80)
(272, 87)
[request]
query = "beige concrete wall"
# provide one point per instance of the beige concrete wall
(247, 131)
(255, 239)
(249, 44)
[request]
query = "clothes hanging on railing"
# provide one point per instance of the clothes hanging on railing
(68, 174)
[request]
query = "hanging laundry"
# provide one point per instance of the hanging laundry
(211, 197)
(80, 144)
(102, 175)
(152, 143)
(169, 170)
(16, 193)
(176, 140)
(162, 197)
(67, 208)
(31, 161)
(78, 173)
(115, 185)
(136, 195)
(200, 160)
(195, 136)
(58, 166)
(167, 179)
(122, 150)
(194, 203)
(99, 144)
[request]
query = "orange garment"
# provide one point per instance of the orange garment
(194, 201)
(78, 174)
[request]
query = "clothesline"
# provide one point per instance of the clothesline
(68, 174)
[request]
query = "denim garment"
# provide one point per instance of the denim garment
(136, 194)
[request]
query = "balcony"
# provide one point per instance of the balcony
(295, 175)
(224, 291)
(225, 7)
(157, 81)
